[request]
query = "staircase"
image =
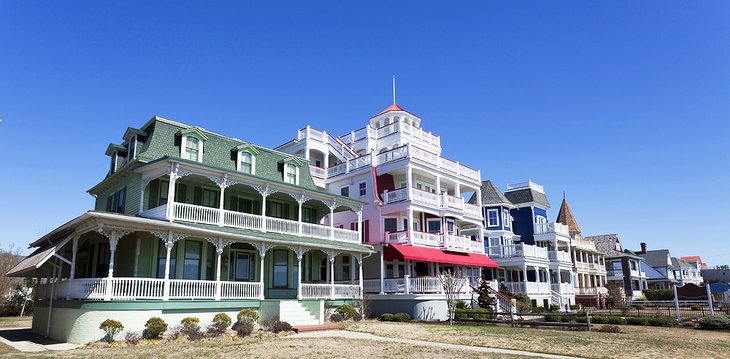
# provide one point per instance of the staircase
(556, 298)
(294, 313)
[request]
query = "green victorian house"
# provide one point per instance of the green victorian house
(192, 223)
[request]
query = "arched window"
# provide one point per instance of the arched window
(246, 163)
(290, 173)
(192, 148)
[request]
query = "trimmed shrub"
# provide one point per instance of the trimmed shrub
(387, 317)
(597, 319)
(336, 318)
(111, 327)
(357, 317)
(615, 320)
(539, 310)
(190, 328)
(155, 326)
(659, 294)
(637, 320)
(248, 314)
(402, 317)
(275, 326)
(132, 338)
(460, 304)
(554, 307)
(221, 322)
(189, 322)
(346, 311)
(244, 328)
(662, 322)
(715, 322)
(552, 318)
(574, 307)
(610, 329)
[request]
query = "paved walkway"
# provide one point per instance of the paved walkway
(23, 340)
(368, 336)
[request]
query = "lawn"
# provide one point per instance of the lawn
(262, 348)
(10, 322)
(633, 341)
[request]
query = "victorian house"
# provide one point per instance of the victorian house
(416, 216)
(533, 254)
(188, 222)
(589, 264)
(623, 267)
(673, 270)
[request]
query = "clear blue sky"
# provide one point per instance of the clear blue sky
(623, 105)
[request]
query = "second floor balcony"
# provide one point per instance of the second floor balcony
(449, 242)
(518, 250)
(444, 201)
(547, 231)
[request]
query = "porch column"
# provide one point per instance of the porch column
(382, 271)
(264, 191)
(263, 247)
(221, 216)
(74, 249)
(332, 257)
(300, 217)
(113, 249)
(359, 227)
(524, 274)
(360, 274)
(166, 283)
(352, 269)
(409, 182)
(299, 255)
(332, 219)
(170, 212)
(219, 252)
(136, 256)
(457, 189)
(410, 223)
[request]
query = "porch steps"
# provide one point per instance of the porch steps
(318, 327)
(294, 313)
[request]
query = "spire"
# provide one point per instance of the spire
(394, 89)
(565, 216)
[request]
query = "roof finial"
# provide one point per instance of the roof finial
(394, 89)
(563, 195)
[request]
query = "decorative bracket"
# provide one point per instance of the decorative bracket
(331, 204)
(219, 243)
(331, 254)
(262, 247)
(169, 238)
(300, 197)
(265, 190)
(299, 251)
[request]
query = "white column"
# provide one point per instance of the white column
(332, 222)
(166, 283)
(332, 257)
(300, 217)
(299, 255)
(113, 249)
(74, 249)
(382, 271)
(221, 216)
(360, 274)
(352, 269)
(136, 256)
(263, 216)
(262, 255)
(219, 252)
(457, 189)
(409, 182)
(171, 196)
(359, 226)
(410, 223)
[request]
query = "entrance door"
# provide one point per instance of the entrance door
(421, 269)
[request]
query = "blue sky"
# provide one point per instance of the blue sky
(623, 105)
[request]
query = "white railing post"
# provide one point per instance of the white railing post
(112, 248)
(219, 252)
(263, 247)
(407, 284)
(332, 257)
(263, 215)
(221, 214)
(300, 217)
(359, 275)
(166, 284)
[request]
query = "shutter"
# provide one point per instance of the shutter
(198, 196)
(181, 192)
(154, 194)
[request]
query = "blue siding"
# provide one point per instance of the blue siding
(541, 212)
(486, 219)
(523, 224)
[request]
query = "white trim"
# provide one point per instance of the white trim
(239, 157)
(183, 146)
(496, 216)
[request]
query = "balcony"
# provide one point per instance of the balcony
(410, 133)
(518, 250)
(615, 274)
(449, 242)
(590, 266)
(411, 152)
(225, 218)
(411, 285)
(529, 288)
(560, 256)
(638, 273)
(551, 228)
(563, 288)
(443, 201)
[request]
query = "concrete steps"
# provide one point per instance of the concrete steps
(294, 313)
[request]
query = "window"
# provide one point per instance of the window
(115, 201)
(275, 209)
(506, 221)
(241, 266)
(391, 224)
(434, 225)
(281, 268)
(308, 215)
(246, 163)
(164, 187)
(210, 261)
(191, 269)
(450, 226)
(132, 150)
(161, 256)
(290, 175)
(363, 188)
(345, 267)
(210, 198)
(492, 218)
(192, 146)
(345, 191)
(113, 167)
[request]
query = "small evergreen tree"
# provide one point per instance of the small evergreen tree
(485, 300)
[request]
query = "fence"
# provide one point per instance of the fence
(655, 310)
(574, 320)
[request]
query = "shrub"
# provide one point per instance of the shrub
(554, 307)
(615, 320)
(155, 326)
(336, 318)
(387, 317)
(696, 307)
(190, 328)
(715, 322)
(610, 329)
(538, 310)
(111, 327)
(659, 294)
(346, 311)
(640, 307)
(132, 338)
(552, 318)
(461, 305)
(221, 322)
(248, 314)
(275, 326)
(597, 319)
(244, 328)
(485, 298)
(662, 322)
(399, 317)
(637, 321)
(574, 307)
(357, 317)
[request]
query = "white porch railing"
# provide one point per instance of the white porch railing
(209, 215)
(552, 227)
(427, 198)
(137, 288)
(397, 195)
(529, 287)
(518, 250)
(449, 242)
(457, 243)
(235, 290)
(426, 239)
(560, 256)
(563, 288)
(192, 289)
(317, 172)
(411, 285)
(327, 291)
(472, 210)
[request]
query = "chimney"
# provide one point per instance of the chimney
(643, 248)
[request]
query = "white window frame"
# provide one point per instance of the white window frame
(431, 220)
(287, 177)
(132, 148)
(506, 218)
(184, 146)
(362, 189)
(496, 218)
(239, 160)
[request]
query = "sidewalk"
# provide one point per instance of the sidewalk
(23, 340)
(368, 336)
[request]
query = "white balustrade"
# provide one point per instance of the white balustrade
(454, 202)
(337, 170)
(279, 225)
(197, 214)
(349, 291)
(397, 195)
(322, 291)
(456, 243)
(477, 246)
(346, 235)
(552, 227)
(136, 288)
(240, 290)
(400, 237)
(425, 197)
(192, 289)
(158, 212)
(426, 239)
(518, 250)
(241, 220)
(472, 210)
(560, 256)
(317, 172)
(315, 230)
(425, 285)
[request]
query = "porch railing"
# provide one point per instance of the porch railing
(529, 287)
(518, 250)
(449, 242)
(560, 256)
(443, 201)
(327, 291)
(411, 285)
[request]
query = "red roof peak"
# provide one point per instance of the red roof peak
(393, 107)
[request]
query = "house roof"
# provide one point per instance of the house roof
(606, 244)
(651, 273)
(393, 107)
(678, 263)
(656, 258)
(565, 216)
(527, 195)
(491, 195)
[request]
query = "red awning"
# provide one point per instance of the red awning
(400, 251)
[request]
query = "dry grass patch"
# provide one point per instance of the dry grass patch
(263, 348)
(15, 322)
(633, 341)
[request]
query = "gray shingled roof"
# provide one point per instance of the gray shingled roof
(606, 244)
(491, 195)
(526, 195)
(678, 263)
(656, 258)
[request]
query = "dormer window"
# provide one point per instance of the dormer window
(290, 173)
(191, 144)
(246, 163)
(132, 137)
(246, 158)
(132, 149)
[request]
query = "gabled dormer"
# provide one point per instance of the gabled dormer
(133, 137)
(290, 169)
(191, 144)
(246, 158)
(117, 153)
